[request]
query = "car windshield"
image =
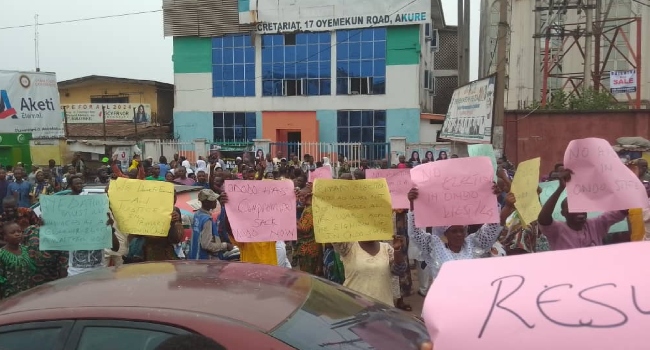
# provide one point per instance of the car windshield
(333, 318)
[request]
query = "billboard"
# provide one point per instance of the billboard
(469, 117)
(29, 103)
(278, 16)
(88, 113)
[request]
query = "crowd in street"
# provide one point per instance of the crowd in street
(380, 269)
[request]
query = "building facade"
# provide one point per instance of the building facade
(321, 71)
(531, 76)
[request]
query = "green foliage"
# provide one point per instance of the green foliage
(582, 100)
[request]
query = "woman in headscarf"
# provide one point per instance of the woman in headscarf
(309, 253)
(459, 246)
(41, 186)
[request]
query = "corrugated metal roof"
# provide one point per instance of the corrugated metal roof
(203, 18)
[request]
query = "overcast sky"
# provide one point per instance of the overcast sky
(128, 47)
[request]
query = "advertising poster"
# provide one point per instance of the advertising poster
(29, 103)
(89, 113)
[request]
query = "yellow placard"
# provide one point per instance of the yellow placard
(524, 187)
(351, 211)
(142, 207)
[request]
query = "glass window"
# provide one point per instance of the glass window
(29, 339)
(233, 66)
(362, 126)
(121, 338)
(234, 126)
(361, 61)
(296, 64)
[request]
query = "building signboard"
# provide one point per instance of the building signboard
(622, 81)
(469, 117)
(88, 113)
(29, 104)
(278, 16)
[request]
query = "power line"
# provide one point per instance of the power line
(82, 19)
(316, 54)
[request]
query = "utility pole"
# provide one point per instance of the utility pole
(461, 44)
(586, 83)
(467, 31)
(499, 101)
(36, 53)
(537, 79)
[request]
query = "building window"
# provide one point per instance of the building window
(361, 126)
(234, 126)
(361, 61)
(233, 66)
(297, 64)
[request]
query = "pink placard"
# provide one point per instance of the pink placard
(600, 181)
(324, 172)
(261, 211)
(455, 192)
(561, 300)
(399, 184)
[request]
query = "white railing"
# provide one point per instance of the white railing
(354, 153)
(168, 148)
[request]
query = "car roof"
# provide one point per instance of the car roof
(261, 296)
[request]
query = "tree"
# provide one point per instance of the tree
(582, 100)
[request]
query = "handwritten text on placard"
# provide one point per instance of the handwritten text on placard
(524, 187)
(351, 211)
(142, 207)
(601, 182)
(455, 192)
(75, 223)
(262, 211)
(399, 184)
(546, 301)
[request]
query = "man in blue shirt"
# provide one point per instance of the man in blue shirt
(20, 188)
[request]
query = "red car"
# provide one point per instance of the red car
(241, 306)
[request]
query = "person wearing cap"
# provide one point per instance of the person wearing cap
(206, 242)
(459, 246)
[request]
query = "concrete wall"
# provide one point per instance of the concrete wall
(547, 134)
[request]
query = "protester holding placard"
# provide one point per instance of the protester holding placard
(578, 231)
(309, 253)
(252, 252)
(459, 246)
(87, 260)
